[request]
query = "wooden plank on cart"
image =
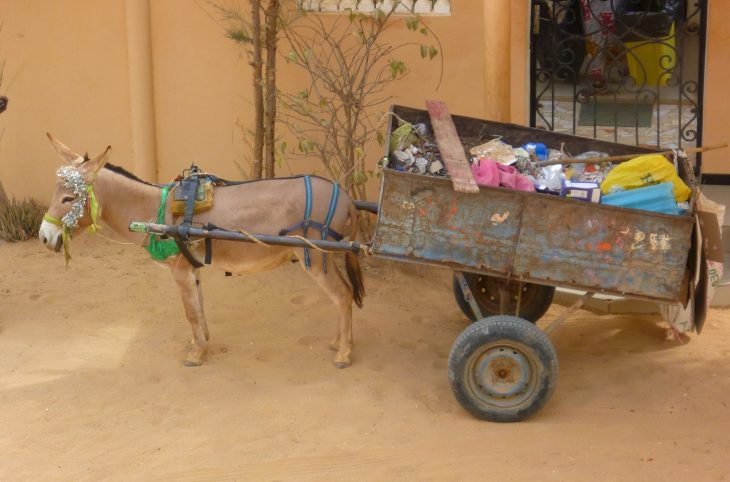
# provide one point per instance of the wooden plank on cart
(450, 147)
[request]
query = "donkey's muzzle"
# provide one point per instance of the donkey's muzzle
(50, 236)
(59, 244)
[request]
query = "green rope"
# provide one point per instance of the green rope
(161, 249)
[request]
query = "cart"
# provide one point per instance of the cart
(508, 251)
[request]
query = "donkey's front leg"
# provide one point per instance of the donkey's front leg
(187, 282)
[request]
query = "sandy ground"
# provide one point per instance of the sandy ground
(92, 386)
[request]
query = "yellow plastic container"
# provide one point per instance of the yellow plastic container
(651, 61)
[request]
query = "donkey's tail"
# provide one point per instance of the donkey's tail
(352, 264)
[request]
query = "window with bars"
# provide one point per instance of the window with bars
(421, 7)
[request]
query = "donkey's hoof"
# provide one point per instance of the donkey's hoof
(342, 363)
(194, 358)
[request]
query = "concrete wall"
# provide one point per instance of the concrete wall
(71, 66)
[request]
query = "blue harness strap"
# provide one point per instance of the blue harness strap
(324, 229)
(315, 225)
(328, 219)
(307, 214)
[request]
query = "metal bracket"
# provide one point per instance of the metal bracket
(468, 297)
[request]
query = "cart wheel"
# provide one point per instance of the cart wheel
(536, 299)
(503, 369)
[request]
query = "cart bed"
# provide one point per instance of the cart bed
(532, 237)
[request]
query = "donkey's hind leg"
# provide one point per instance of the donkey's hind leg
(339, 291)
(187, 282)
(203, 322)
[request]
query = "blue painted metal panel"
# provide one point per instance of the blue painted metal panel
(423, 218)
(619, 250)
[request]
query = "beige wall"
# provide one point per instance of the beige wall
(67, 72)
(716, 129)
(202, 84)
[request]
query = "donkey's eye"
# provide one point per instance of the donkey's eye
(67, 199)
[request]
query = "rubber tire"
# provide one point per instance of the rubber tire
(531, 309)
(476, 340)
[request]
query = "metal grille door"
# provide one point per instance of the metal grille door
(628, 71)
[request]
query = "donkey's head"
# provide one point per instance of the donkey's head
(73, 205)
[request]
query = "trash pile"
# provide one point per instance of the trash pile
(413, 150)
(649, 182)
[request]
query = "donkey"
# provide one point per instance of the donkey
(90, 190)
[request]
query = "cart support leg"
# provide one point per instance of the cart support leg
(468, 297)
(565, 314)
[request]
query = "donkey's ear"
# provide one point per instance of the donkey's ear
(95, 164)
(63, 150)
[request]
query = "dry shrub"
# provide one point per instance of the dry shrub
(20, 220)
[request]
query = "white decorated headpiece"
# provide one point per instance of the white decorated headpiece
(74, 180)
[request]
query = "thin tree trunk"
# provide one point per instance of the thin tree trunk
(258, 91)
(272, 18)
(3, 196)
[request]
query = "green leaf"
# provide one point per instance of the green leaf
(412, 22)
(280, 154)
(359, 177)
(424, 30)
(359, 151)
(379, 16)
(306, 146)
(397, 67)
(424, 51)
(381, 138)
(292, 57)
(432, 52)
(239, 35)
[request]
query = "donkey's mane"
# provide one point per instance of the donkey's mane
(125, 173)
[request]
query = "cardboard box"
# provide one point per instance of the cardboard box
(583, 191)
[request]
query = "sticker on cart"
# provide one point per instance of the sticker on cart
(499, 218)
(656, 241)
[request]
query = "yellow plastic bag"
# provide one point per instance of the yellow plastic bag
(644, 171)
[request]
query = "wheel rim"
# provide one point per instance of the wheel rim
(486, 293)
(503, 374)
